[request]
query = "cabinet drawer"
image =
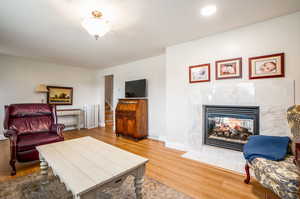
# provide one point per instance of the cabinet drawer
(125, 113)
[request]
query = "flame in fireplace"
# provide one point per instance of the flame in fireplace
(231, 129)
(234, 123)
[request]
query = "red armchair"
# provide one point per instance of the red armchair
(28, 126)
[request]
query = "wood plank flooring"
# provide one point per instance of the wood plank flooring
(198, 180)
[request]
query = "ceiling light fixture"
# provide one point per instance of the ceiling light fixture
(208, 10)
(96, 25)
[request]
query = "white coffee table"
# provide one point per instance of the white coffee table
(86, 166)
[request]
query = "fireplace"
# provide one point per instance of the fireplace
(230, 126)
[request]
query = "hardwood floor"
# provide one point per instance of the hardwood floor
(166, 165)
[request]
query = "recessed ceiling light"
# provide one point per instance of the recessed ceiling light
(208, 10)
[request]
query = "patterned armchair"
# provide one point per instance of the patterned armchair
(282, 177)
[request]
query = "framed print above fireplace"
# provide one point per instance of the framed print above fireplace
(199, 73)
(268, 66)
(228, 69)
(60, 95)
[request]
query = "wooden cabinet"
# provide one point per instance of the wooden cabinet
(132, 118)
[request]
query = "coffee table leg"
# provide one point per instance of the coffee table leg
(138, 181)
(44, 170)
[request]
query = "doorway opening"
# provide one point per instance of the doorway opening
(109, 111)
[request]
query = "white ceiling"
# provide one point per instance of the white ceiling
(50, 30)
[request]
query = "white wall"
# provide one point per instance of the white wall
(152, 69)
(20, 76)
(184, 100)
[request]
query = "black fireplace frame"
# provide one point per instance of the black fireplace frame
(245, 110)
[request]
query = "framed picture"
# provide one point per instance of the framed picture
(268, 66)
(199, 73)
(60, 95)
(230, 68)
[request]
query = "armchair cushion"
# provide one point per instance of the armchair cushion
(29, 110)
(282, 177)
(30, 124)
(30, 141)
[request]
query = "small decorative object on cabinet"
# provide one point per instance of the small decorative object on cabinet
(132, 118)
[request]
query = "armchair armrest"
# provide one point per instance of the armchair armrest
(11, 134)
(58, 128)
(297, 150)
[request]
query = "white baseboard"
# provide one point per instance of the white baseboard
(176, 145)
(102, 124)
(2, 137)
(153, 137)
(70, 128)
(162, 138)
(158, 138)
(92, 127)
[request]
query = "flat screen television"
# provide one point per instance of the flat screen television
(136, 89)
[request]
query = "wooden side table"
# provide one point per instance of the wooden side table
(70, 113)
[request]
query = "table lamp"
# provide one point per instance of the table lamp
(41, 88)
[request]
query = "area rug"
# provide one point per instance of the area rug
(28, 187)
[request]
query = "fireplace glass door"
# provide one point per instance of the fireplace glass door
(230, 127)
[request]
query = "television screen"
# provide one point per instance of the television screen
(137, 88)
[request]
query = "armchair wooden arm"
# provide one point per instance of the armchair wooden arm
(58, 128)
(297, 150)
(12, 135)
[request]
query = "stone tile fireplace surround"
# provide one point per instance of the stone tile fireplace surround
(273, 97)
